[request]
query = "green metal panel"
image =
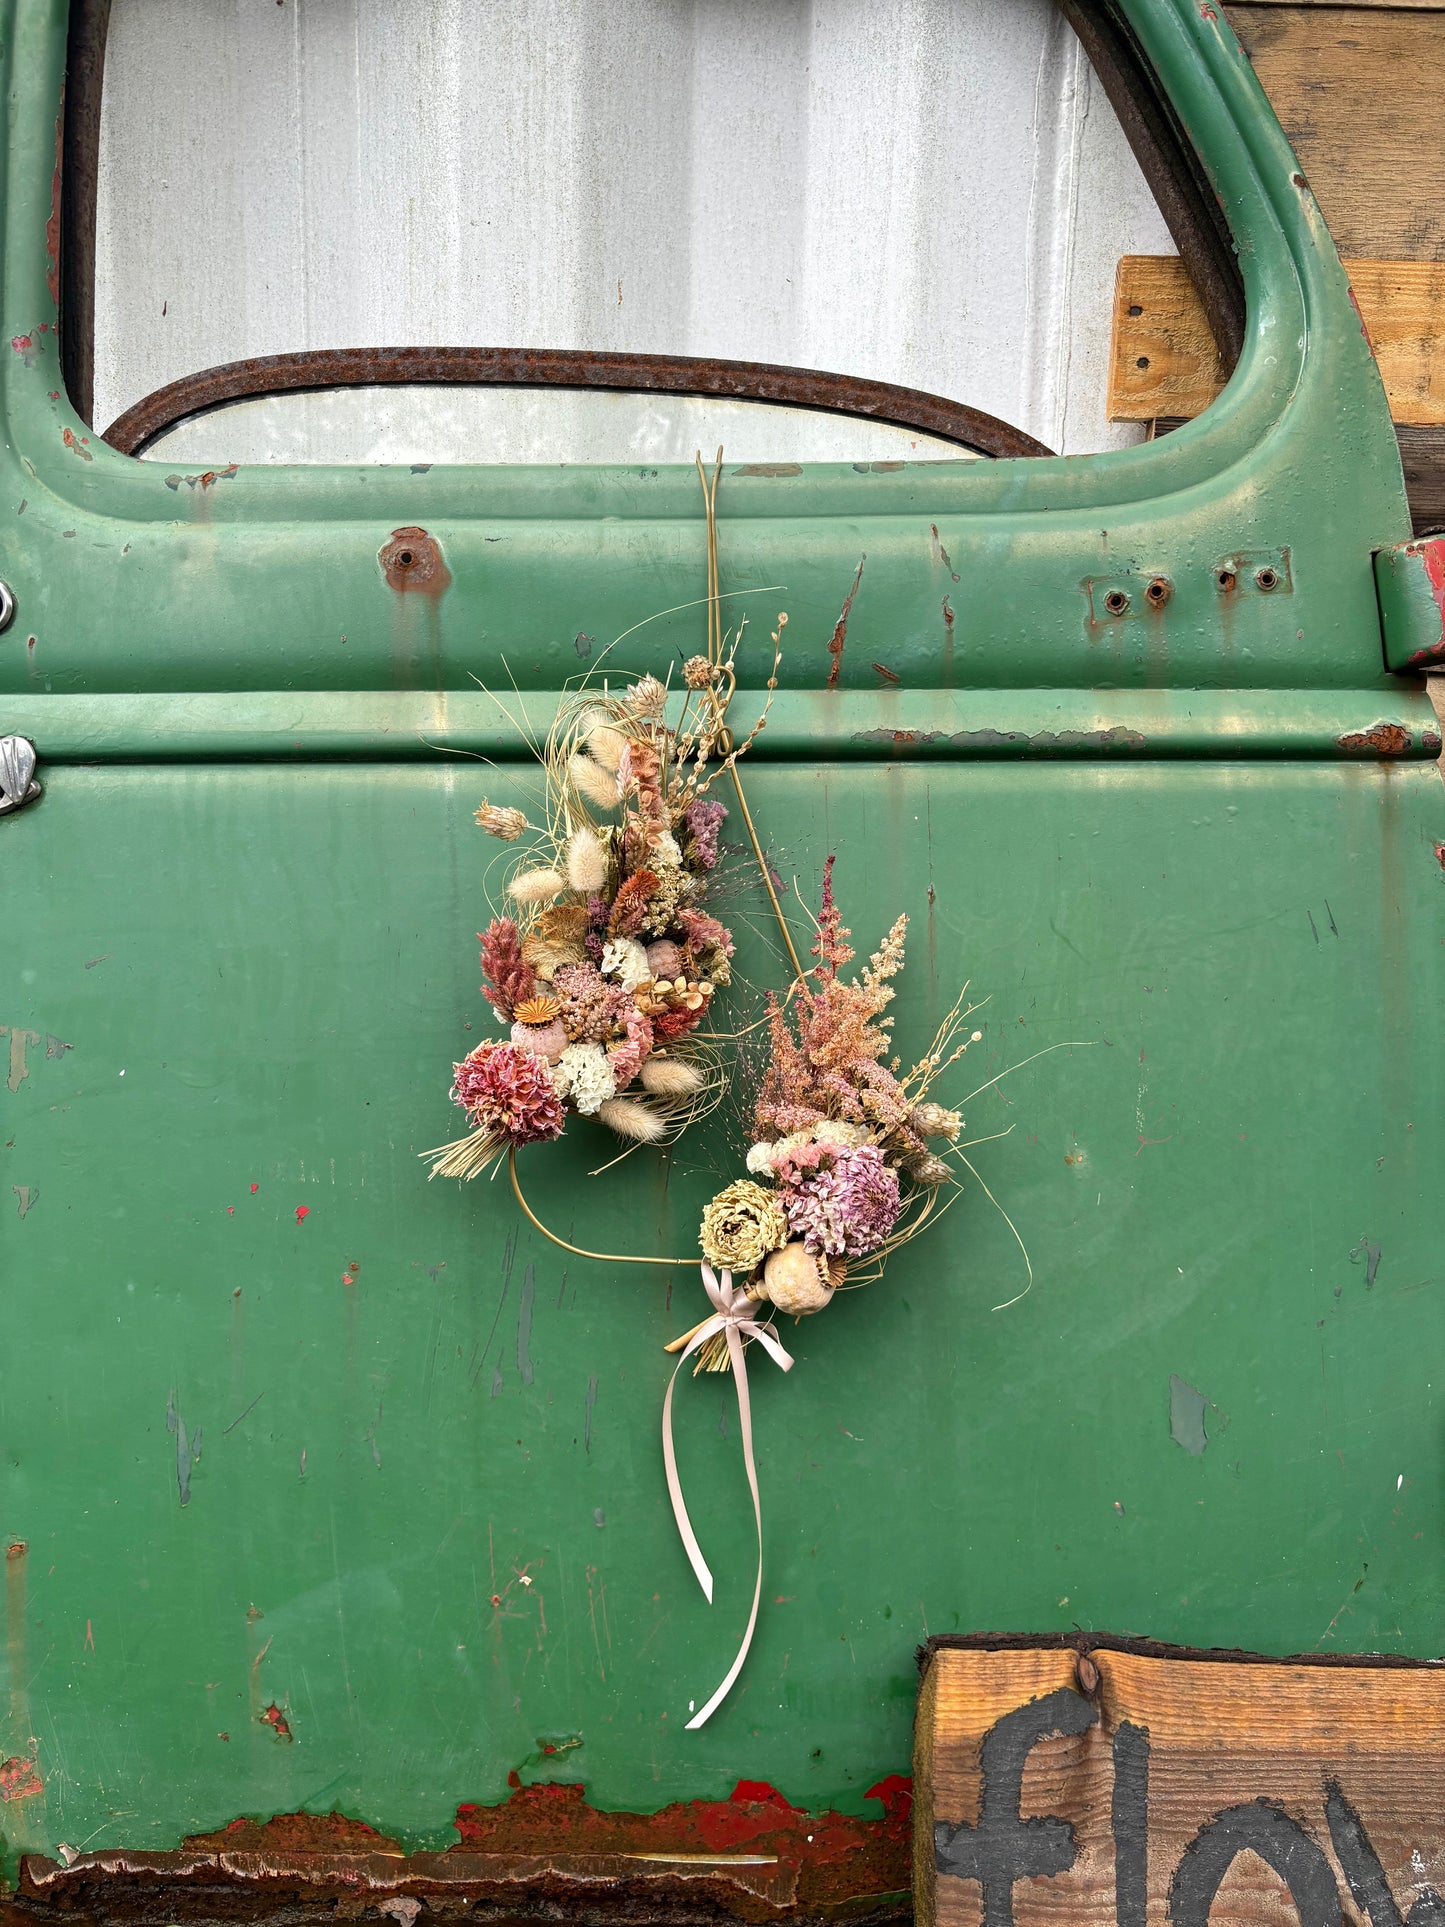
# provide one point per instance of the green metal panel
(286, 1427)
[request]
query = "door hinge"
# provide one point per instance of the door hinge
(1410, 583)
(17, 774)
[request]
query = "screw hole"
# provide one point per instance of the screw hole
(1226, 578)
(1136, 310)
(1158, 591)
(405, 559)
(1116, 602)
(1267, 579)
(1142, 362)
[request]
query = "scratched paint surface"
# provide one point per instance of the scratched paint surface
(329, 1488)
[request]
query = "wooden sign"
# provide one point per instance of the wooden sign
(1058, 1789)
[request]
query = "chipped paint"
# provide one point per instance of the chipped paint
(1043, 742)
(206, 479)
(1381, 739)
(19, 1779)
(840, 628)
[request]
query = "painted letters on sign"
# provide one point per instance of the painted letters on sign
(1111, 1789)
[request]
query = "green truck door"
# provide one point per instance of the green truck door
(332, 1492)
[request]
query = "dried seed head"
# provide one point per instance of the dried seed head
(536, 886)
(501, 820)
(586, 861)
(699, 673)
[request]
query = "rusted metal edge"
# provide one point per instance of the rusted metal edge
(750, 381)
(79, 178)
(1168, 163)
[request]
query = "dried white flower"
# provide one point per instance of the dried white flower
(536, 886)
(625, 960)
(586, 861)
(663, 852)
(583, 1075)
(646, 697)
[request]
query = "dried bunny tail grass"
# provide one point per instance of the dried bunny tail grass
(631, 1119)
(590, 780)
(536, 886)
(586, 861)
(606, 744)
(671, 1076)
(467, 1158)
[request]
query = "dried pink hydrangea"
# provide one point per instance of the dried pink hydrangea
(847, 1207)
(592, 1008)
(704, 819)
(508, 1093)
(624, 1059)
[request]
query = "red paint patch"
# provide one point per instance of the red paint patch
(254, 1189)
(19, 1779)
(1440, 854)
(52, 226)
(303, 1211)
(22, 344)
(277, 1721)
(838, 1857)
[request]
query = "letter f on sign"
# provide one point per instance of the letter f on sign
(1004, 1847)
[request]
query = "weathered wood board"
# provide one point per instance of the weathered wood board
(1055, 1789)
(1163, 360)
(1358, 91)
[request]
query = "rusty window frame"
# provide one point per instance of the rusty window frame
(1159, 144)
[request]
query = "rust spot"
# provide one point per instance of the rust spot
(19, 1779)
(1364, 330)
(71, 442)
(277, 1721)
(205, 481)
(948, 617)
(940, 554)
(888, 675)
(296, 1833)
(1384, 739)
(412, 563)
(16, 1549)
(769, 468)
(52, 226)
(840, 628)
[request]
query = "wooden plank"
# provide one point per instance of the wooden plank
(1129, 1790)
(1163, 360)
(1358, 90)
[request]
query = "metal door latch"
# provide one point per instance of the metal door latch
(17, 773)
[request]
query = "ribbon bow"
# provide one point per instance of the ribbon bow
(733, 1319)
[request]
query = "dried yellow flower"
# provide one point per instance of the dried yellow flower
(741, 1226)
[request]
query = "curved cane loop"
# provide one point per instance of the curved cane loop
(732, 1317)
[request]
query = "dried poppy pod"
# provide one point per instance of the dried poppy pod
(538, 1027)
(798, 1281)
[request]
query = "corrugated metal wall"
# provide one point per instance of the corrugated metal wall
(931, 192)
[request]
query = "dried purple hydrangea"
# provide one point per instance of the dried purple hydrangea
(847, 1208)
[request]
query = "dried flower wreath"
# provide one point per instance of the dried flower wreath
(604, 975)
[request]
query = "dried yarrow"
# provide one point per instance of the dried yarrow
(592, 1008)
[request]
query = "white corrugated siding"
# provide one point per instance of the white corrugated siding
(931, 192)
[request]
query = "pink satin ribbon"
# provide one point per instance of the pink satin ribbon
(732, 1317)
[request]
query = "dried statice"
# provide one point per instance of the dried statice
(509, 977)
(704, 819)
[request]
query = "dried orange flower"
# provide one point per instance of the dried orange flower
(537, 1010)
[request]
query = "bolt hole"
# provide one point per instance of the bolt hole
(1158, 591)
(1267, 579)
(1225, 578)
(1142, 362)
(1116, 602)
(1136, 309)
(405, 559)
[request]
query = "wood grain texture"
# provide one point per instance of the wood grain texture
(1267, 1739)
(1163, 361)
(1358, 91)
